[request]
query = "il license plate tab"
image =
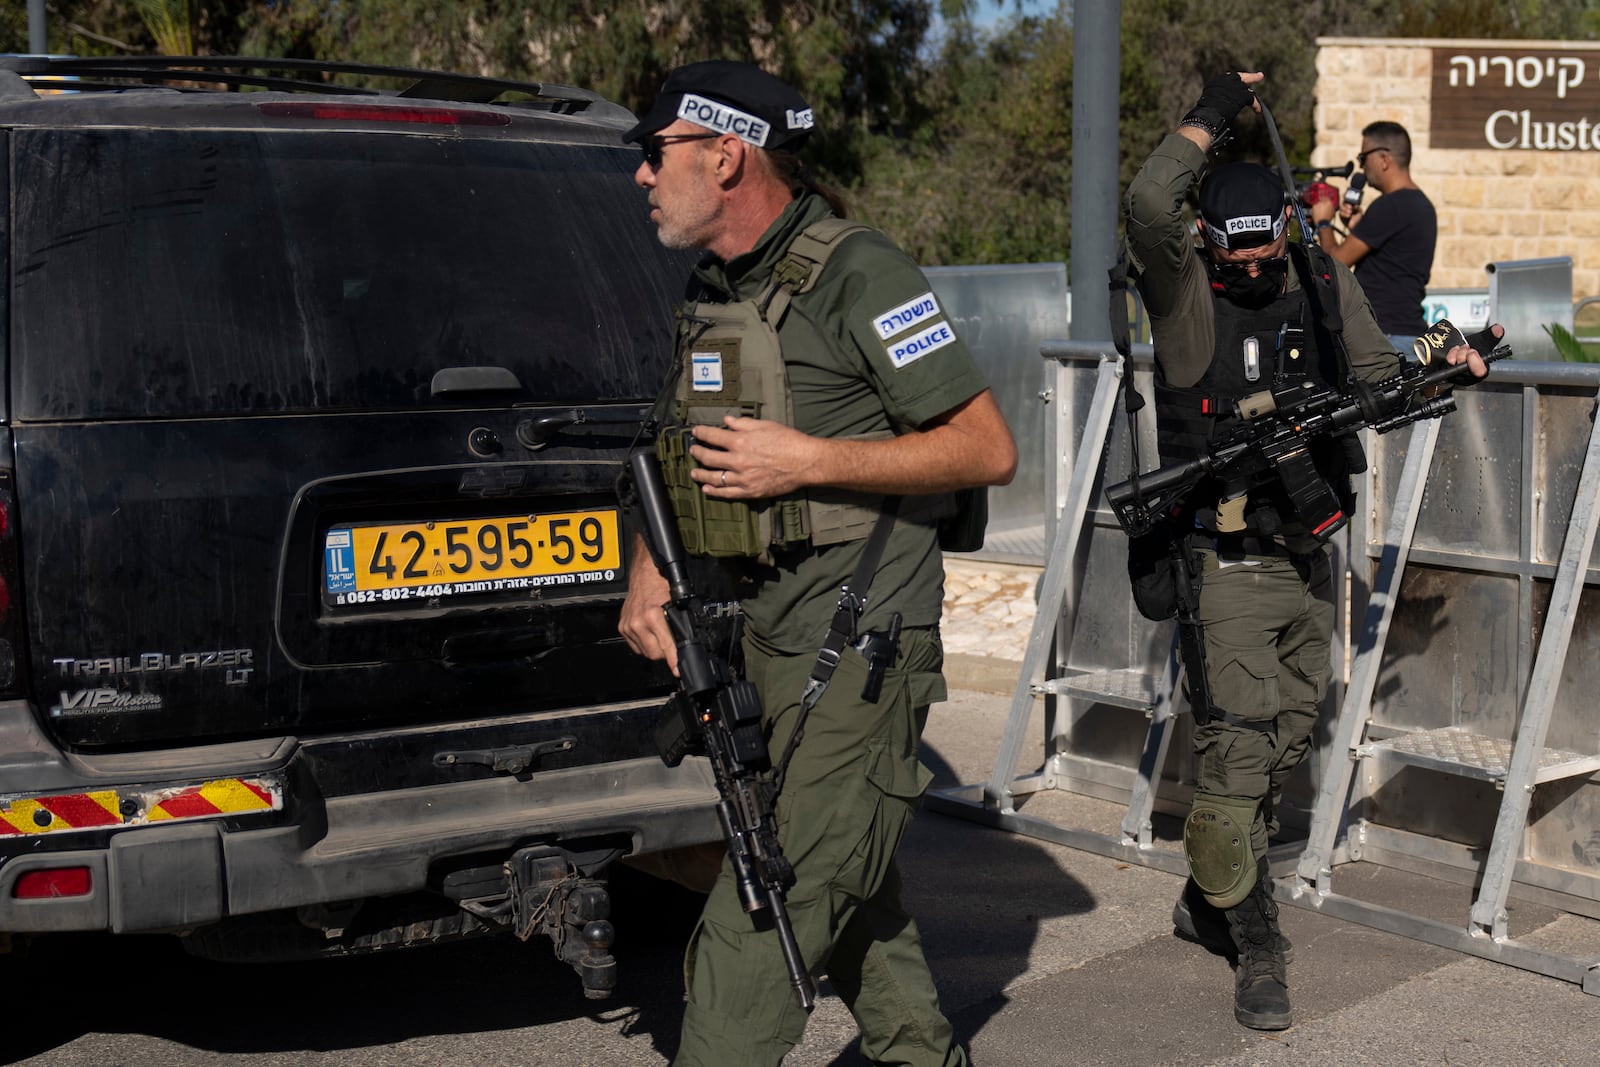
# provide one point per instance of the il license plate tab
(560, 553)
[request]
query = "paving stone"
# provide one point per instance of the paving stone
(988, 610)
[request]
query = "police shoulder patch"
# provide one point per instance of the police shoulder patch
(914, 312)
(911, 348)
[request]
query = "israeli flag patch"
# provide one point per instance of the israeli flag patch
(913, 312)
(910, 349)
(706, 371)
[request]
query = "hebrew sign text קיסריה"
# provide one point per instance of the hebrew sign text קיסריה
(1512, 99)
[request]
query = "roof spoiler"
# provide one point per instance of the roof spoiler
(288, 75)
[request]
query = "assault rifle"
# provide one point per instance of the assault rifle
(1275, 440)
(717, 714)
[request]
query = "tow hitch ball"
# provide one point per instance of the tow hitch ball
(550, 897)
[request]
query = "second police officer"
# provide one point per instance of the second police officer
(1222, 314)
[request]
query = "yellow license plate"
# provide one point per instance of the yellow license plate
(504, 554)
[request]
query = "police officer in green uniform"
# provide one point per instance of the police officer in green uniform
(1227, 316)
(821, 384)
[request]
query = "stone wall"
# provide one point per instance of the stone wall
(1493, 205)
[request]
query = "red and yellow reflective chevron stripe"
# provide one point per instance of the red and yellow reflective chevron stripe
(129, 806)
(213, 798)
(70, 811)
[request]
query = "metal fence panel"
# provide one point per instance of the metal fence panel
(1525, 296)
(1495, 514)
(1468, 751)
(1004, 313)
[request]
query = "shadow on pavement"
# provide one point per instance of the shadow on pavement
(148, 985)
(979, 898)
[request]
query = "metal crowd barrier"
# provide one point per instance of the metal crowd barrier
(1462, 746)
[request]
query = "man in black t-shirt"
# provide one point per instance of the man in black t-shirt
(1390, 245)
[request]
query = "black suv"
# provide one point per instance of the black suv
(310, 557)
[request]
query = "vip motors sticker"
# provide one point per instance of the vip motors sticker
(913, 312)
(102, 699)
(913, 348)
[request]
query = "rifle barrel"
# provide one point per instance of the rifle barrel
(800, 978)
(744, 810)
(661, 525)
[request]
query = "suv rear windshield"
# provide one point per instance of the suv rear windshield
(170, 274)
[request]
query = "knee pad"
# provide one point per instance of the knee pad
(1216, 841)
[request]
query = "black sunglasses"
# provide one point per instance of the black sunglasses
(1361, 157)
(652, 144)
(1234, 270)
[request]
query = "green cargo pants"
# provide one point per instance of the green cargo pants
(1269, 630)
(851, 790)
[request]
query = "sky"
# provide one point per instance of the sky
(991, 11)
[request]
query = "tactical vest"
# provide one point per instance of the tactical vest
(730, 362)
(1255, 348)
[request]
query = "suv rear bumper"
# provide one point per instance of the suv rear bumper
(174, 877)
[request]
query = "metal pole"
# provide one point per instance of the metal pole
(37, 43)
(1096, 85)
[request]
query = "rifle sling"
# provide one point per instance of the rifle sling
(1122, 340)
(841, 630)
(852, 601)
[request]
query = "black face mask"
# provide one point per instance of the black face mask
(1235, 282)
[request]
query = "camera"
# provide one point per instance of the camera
(1315, 186)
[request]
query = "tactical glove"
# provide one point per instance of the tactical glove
(1223, 97)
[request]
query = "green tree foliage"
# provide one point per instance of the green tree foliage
(1569, 347)
(170, 22)
(987, 178)
(857, 61)
(1555, 20)
(78, 27)
(1178, 45)
(955, 139)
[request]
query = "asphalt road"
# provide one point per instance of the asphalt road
(1044, 956)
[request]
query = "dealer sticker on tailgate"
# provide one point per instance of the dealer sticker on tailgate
(384, 562)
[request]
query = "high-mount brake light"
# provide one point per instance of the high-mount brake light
(426, 116)
(53, 882)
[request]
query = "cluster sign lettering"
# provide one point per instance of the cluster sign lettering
(1510, 99)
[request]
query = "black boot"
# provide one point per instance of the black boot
(1261, 980)
(1196, 919)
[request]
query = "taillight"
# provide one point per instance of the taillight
(53, 882)
(11, 622)
(427, 116)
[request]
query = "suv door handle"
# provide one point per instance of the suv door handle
(452, 381)
(510, 760)
(534, 433)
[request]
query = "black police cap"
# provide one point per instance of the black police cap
(729, 97)
(1241, 205)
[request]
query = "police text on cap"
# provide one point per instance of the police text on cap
(718, 116)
